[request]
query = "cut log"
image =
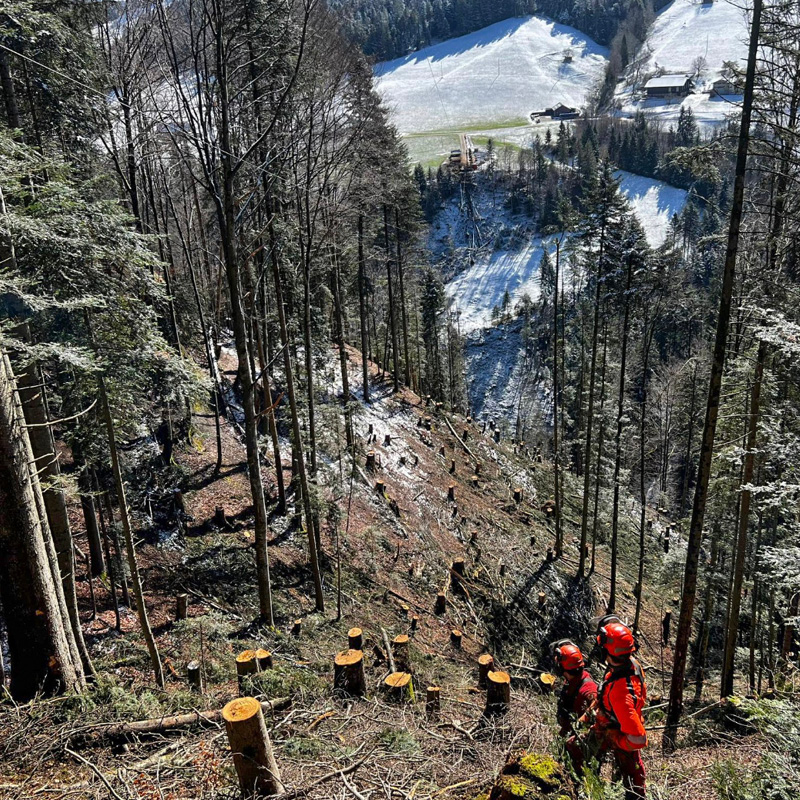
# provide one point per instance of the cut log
(355, 639)
(397, 685)
(181, 606)
(432, 701)
(253, 758)
(485, 666)
(441, 603)
(455, 638)
(498, 692)
(194, 675)
(400, 653)
(348, 673)
(246, 664)
(263, 659)
(144, 727)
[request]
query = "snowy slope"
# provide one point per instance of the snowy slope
(682, 32)
(490, 79)
(654, 202)
(479, 288)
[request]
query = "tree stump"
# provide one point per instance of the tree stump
(432, 701)
(355, 639)
(502, 570)
(246, 664)
(371, 461)
(296, 627)
(474, 481)
(517, 494)
(380, 487)
(451, 492)
(485, 666)
(251, 748)
(547, 682)
(195, 676)
(181, 606)
(264, 659)
(531, 776)
(178, 502)
(457, 573)
(220, 520)
(402, 461)
(465, 434)
(455, 638)
(452, 466)
(441, 603)
(477, 467)
(348, 673)
(402, 658)
(414, 622)
(387, 440)
(397, 685)
(550, 555)
(542, 599)
(665, 626)
(666, 543)
(498, 692)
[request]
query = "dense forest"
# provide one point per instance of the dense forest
(236, 431)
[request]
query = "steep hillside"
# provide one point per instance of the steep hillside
(488, 82)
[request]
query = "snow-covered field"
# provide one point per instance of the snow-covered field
(683, 32)
(488, 82)
(654, 202)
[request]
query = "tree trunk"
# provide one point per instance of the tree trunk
(403, 312)
(726, 685)
(44, 655)
(362, 309)
(712, 406)
(556, 400)
(390, 299)
(612, 595)
(31, 395)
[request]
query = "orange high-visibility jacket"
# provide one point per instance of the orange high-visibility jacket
(621, 699)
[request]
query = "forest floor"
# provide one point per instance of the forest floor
(395, 548)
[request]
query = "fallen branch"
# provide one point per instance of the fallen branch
(117, 730)
(96, 771)
(459, 439)
(337, 773)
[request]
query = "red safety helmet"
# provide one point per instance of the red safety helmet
(616, 639)
(567, 656)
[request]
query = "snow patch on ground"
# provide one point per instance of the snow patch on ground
(682, 32)
(654, 203)
(490, 80)
(481, 287)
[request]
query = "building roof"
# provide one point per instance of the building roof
(667, 81)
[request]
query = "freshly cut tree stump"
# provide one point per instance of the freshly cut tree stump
(432, 701)
(398, 685)
(475, 482)
(451, 492)
(403, 461)
(414, 622)
(453, 466)
(194, 675)
(402, 658)
(371, 460)
(502, 570)
(387, 440)
(547, 682)
(181, 606)
(220, 520)
(380, 487)
(348, 673)
(441, 603)
(517, 494)
(264, 659)
(542, 599)
(455, 638)
(485, 666)
(355, 639)
(550, 555)
(253, 758)
(498, 692)
(297, 627)
(246, 664)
